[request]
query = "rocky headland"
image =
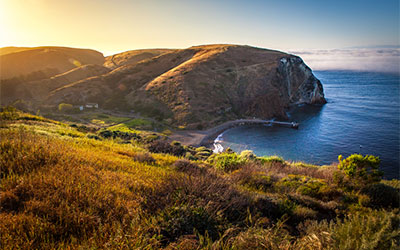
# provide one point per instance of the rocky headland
(195, 88)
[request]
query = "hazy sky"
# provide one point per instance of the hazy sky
(118, 25)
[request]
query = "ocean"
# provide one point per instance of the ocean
(362, 116)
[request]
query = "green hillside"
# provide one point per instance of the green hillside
(70, 186)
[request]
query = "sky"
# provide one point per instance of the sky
(121, 25)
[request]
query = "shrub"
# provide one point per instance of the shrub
(65, 107)
(106, 134)
(203, 149)
(144, 157)
(248, 155)
(293, 181)
(286, 206)
(274, 158)
(114, 134)
(188, 167)
(159, 146)
(382, 196)
(182, 220)
(203, 153)
(162, 146)
(374, 230)
(249, 176)
(91, 136)
(261, 182)
(362, 169)
(8, 113)
(190, 156)
(226, 161)
(312, 188)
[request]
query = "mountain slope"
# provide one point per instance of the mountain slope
(202, 85)
(37, 91)
(132, 57)
(58, 59)
(12, 49)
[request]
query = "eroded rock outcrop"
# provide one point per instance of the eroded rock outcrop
(302, 86)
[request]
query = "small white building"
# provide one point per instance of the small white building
(80, 107)
(92, 105)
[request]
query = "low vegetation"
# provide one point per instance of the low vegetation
(75, 187)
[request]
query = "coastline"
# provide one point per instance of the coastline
(206, 137)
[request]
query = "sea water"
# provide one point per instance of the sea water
(362, 116)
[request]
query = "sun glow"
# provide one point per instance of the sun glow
(120, 25)
(4, 25)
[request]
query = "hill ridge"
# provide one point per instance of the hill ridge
(197, 87)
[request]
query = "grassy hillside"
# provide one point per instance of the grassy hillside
(71, 186)
(35, 87)
(194, 88)
(12, 49)
(132, 57)
(23, 61)
(200, 86)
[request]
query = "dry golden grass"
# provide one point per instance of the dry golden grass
(60, 189)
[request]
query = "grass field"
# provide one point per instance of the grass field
(66, 187)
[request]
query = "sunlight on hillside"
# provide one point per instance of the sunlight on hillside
(74, 187)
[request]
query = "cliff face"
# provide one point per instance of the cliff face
(302, 86)
(224, 82)
(198, 87)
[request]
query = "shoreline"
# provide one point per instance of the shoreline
(207, 137)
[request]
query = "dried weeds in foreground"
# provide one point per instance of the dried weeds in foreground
(61, 189)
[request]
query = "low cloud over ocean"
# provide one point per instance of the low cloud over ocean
(359, 59)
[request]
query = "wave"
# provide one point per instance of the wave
(218, 148)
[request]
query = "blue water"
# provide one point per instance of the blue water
(362, 116)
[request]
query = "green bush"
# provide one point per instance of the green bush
(274, 158)
(293, 181)
(286, 206)
(162, 146)
(226, 161)
(202, 148)
(8, 113)
(312, 188)
(190, 156)
(248, 155)
(259, 182)
(202, 153)
(362, 169)
(65, 107)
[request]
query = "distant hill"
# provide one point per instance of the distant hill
(197, 87)
(133, 56)
(202, 85)
(19, 61)
(11, 49)
(36, 91)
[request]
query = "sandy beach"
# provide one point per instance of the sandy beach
(206, 137)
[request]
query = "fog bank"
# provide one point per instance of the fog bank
(360, 59)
